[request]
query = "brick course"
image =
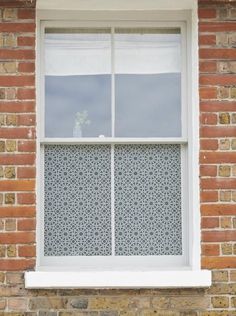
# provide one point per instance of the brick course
(217, 90)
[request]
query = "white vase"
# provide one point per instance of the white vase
(77, 132)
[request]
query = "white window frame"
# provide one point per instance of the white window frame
(49, 274)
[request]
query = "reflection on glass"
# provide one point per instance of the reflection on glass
(77, 83)
(148, 83)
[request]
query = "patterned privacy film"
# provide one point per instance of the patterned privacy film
(148, 200)
(77, 210)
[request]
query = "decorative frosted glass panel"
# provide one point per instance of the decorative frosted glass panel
(77, 83)
(148, 200)
(148, 82)
(77, 208)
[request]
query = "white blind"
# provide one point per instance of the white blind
(90, 54)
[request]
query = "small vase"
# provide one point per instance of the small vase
(77, 132)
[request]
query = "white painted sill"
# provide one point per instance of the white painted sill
(118, 279)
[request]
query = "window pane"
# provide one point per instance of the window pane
(77, 83)
(148, 83)
(77, 215)
(148, 200)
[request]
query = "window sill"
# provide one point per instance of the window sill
(118, 279)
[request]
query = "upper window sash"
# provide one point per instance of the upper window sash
(119, 36)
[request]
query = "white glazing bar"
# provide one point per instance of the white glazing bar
(112, 201)
(112, 145)
(112, 83)
(114, 140)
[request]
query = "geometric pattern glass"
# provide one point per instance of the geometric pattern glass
(77, 200)
(148, 200)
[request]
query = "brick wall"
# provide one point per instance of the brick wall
(218, 179)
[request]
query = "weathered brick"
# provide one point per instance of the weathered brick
(14, 278)
(10, 14)
(11, 120)
(224, 118)
(79, 303)
(226, 222)
(10, 172)
(225, 196)
(11, 251)
(226, 249)
(2, 251)
(220, 301)
(224, 171)
(9, 198)
(10, 145)
(7, 67)
(220, 276)
(233, 144)
(2, 146)
(233, 117)
(17, 304)
(224, 144)
(10, 224)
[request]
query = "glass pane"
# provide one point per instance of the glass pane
(148, 83)
(77, 208)
(77, 83)
(148, 200)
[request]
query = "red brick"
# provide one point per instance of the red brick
(210, 250)
(26, 172)
(209, 196)
(219, 236)
(26, 67)
(17, 185)
(208, 170)
(26, 41)
(17, 107)
(21, 132)
(218, 262)
(207, 66)
(25, 13)
(17, 211)
(25, 94)
(10, 54)
(204, 13)
(26, 198)
(218, 209)
(216, 106)
(17, 81)
(17, 27)
(26, 224)
(207, 93)
(217, 26)
(26, 146)
(18, 4)
(16, 265)
(210, 222)
(17, 159)
(208, 144)
(217, 131)
(27, 251)
(26, 120)
(212, 79)
(207, 40)
(217, 157)
(217, 53)
(208, 118)
(215, 2)
(17, 238)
